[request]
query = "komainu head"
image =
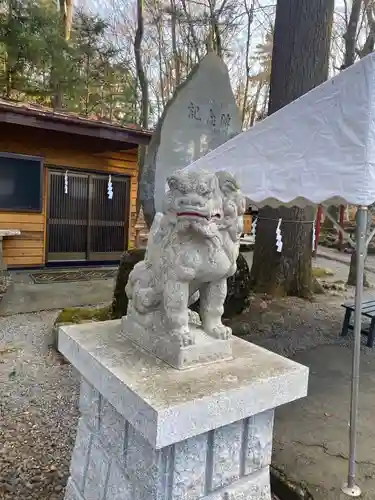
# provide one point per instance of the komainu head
(194, 196)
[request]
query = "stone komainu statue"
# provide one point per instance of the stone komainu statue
(192, 250)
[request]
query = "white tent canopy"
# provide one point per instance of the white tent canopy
(318, 149)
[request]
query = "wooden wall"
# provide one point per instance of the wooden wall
(28, 249)
(247, 220)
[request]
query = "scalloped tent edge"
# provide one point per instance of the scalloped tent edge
(320, 149)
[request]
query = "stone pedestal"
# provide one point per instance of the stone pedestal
(205, 349)
(5, 233)
(150, 432)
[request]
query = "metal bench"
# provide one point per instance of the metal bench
(368, 310)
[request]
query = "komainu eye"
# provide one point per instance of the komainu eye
(203, 190)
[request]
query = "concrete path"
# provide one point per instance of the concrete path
(311, 435)
(311, 441)
(25, 296)
(343, 257)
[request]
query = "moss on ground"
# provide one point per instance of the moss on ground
(321, 272)
(76, 315)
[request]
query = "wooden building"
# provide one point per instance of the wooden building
(57, 171)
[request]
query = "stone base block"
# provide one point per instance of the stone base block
(113, 461)
(150, 432)
(205, 349)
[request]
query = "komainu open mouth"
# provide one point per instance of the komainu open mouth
(192, 214)
(197, 214)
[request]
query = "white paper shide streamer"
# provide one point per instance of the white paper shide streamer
(66, 182)
(313, 236)
(254, 227)
(279, 243)
(110, 188)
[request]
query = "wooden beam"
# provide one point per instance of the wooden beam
(72, 125)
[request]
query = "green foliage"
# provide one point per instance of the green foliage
(89, 71)
(29, 39)
(83, 315)
(104, 86)
(321, 272)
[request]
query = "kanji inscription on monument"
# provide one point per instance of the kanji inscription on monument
(210, 114)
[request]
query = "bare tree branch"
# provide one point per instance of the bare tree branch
(369, 44)
(143, 83)
(351, 34)
(250, 17)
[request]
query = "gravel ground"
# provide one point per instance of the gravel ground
(5, 281)
(38, 412)
(38, 392)
(288, 325)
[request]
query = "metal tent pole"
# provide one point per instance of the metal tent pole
(350, 488)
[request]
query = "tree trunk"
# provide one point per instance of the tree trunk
(369, 44)
(250, 17)
(8, 59)
(143, 83)
(175, 49)
(352, 278)
(193, 34)
(254, 107)
(299, 63)
(9, 82)
(160, 58)
(66, 19)
(350, 37)
(263, 113)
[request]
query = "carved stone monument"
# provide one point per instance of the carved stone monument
(201, 116)
(172, 407)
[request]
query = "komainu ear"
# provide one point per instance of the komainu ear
(227, 180)
(173, 182)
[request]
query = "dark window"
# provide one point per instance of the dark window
(20, 183)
